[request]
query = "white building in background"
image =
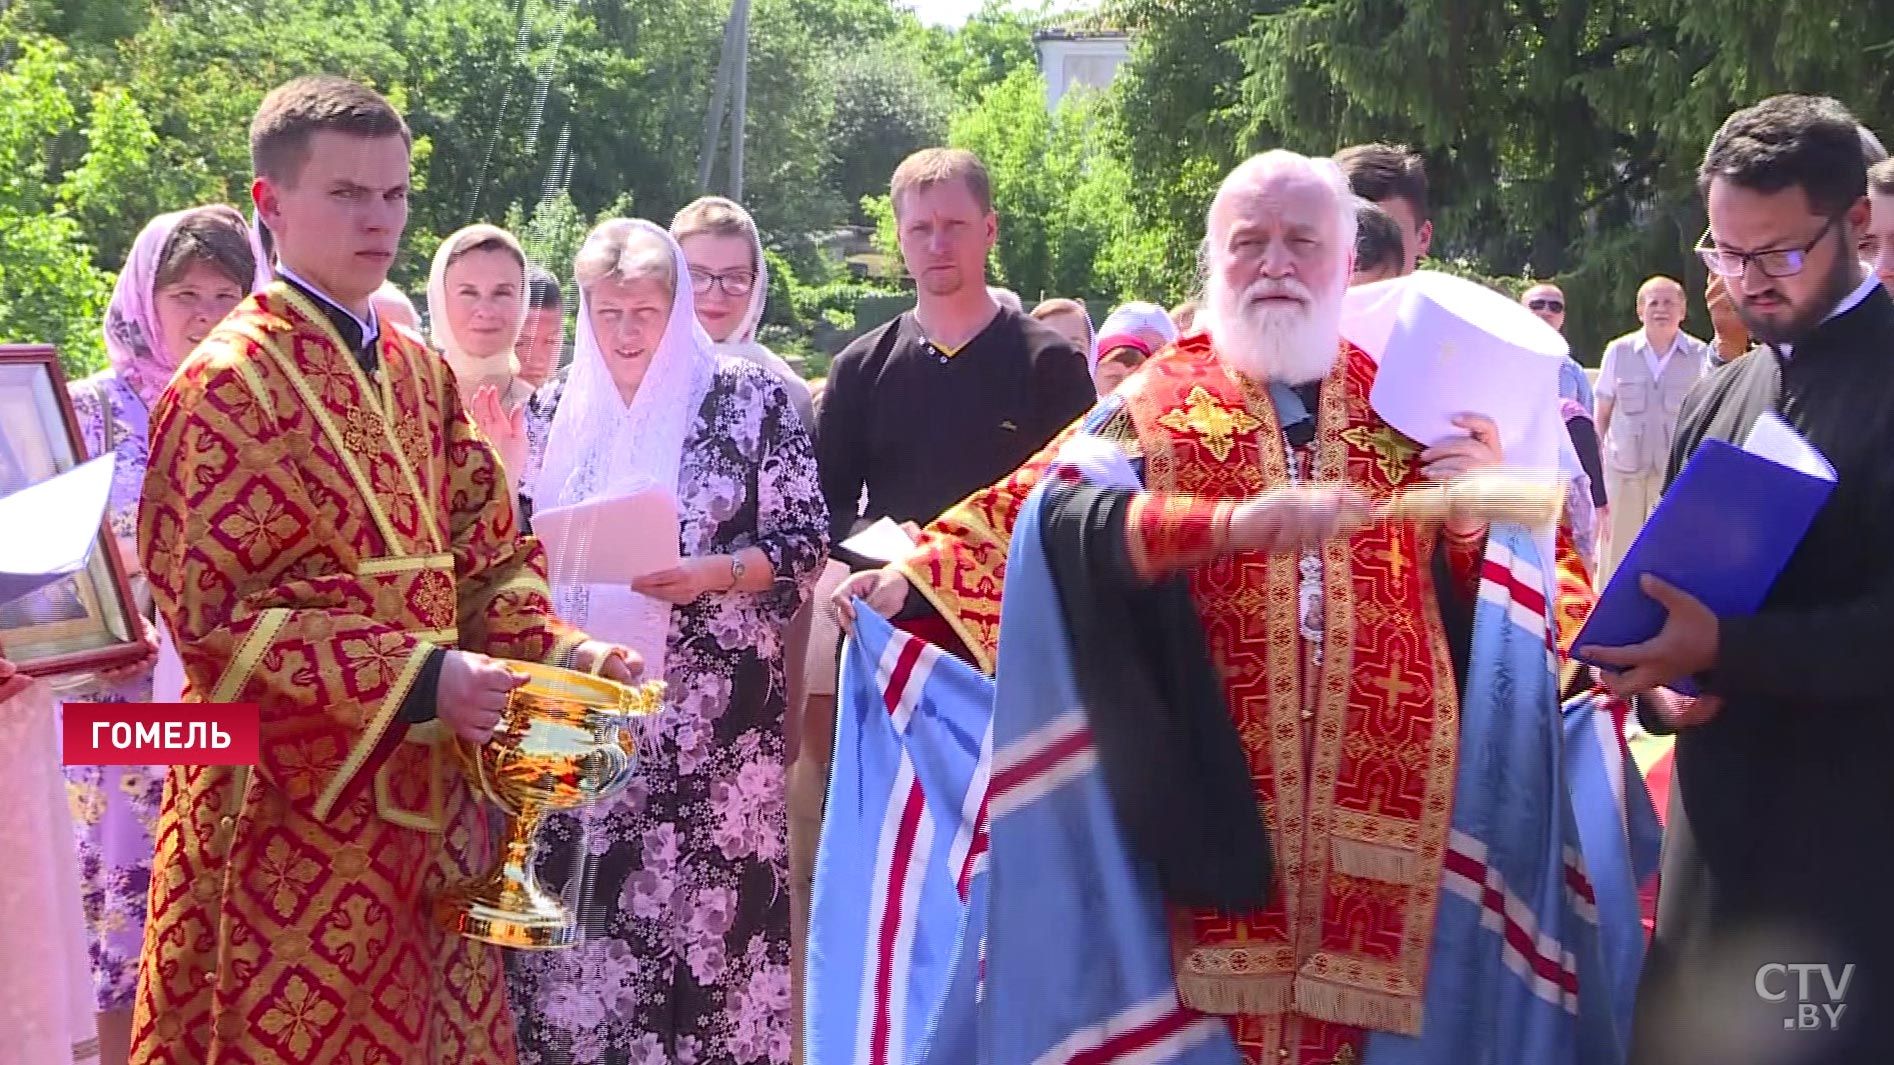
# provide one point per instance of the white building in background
(1073, 55)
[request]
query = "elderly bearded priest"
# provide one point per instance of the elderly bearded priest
(1339, 646)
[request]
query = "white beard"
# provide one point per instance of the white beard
(1292, 345)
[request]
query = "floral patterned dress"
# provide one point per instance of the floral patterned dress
(681, 883)
(115, 808)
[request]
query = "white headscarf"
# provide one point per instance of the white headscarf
(1144, 319)
(471, 373)
(599, 447)
(743, 343)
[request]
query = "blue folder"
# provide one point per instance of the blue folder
(1723, 532)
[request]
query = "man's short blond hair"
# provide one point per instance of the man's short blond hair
(938, 166)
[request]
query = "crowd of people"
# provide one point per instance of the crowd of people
(329, 514)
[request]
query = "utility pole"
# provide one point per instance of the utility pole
(740, 102)
(728, 98)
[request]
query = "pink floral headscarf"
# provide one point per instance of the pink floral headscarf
(133, 341)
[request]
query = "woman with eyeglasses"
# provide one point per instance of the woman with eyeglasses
(730, 282)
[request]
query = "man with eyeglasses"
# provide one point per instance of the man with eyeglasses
(1586, 504)
(1777, 873)
(1641, 387)
(1548, 302)
(1731, 338)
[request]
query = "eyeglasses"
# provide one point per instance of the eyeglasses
(736, 283)
(1774, 262)
(1554, 306)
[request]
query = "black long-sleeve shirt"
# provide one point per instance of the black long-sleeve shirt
(1585, 441)
(921, 428)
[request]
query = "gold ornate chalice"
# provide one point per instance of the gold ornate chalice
(564, 741)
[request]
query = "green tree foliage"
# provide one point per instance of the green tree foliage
(1180, 121)
(50, 290)
(886, 108)
(994, 43)
(576, 105)
(1562, 139)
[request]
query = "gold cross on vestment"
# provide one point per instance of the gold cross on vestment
(361, 431)
(1393, 687)
(1392, 451)
(1210, 421)
(1396, 560)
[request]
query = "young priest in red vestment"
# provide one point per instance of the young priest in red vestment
(328, 536)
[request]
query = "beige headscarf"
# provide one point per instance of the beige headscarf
(470, 372)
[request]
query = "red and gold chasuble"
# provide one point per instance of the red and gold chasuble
(1353, 759)
(311, 533)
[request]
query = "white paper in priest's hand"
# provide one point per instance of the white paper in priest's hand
(1456, 347)
(884, 541)
(1776, 440)
(1368, 313)
(610, 541)
(50, 527)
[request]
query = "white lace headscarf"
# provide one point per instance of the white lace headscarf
(601, 447)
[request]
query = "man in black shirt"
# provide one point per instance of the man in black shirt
(955, 394)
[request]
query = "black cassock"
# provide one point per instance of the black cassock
(1779, 856)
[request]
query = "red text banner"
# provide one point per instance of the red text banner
(160, 734)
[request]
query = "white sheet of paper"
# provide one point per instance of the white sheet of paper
(1449, 346)
(884, 541)
(610, 541)
(1776, 440)
(52, 527)
(1458, 347)
(1368, 314)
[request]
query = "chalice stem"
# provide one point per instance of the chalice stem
(516, 848)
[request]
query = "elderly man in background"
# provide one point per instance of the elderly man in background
(1641, 388)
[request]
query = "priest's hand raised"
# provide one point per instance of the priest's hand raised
(472, 693)
(884, 590)
(1287, 520)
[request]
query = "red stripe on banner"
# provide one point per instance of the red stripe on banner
(878, 1050)
(903, 672)
(1524, 594)
(977, 848)
(1133, 1040)
(1580, 884)
(1057, 751)
(1550, 969)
